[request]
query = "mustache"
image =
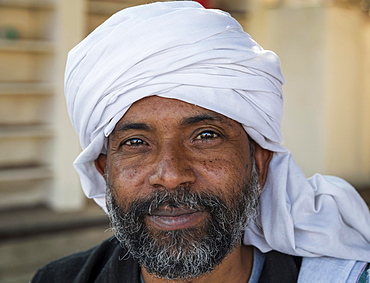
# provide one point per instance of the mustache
(181, 197)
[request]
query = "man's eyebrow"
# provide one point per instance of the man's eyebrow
(131, 126)
(200, 118)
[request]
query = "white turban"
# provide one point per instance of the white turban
(201, 56)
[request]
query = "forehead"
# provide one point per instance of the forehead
(154, 108)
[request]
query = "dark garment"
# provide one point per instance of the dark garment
(108, 262)
(280, 268)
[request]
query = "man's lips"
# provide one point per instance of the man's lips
(169, 218)
(172, 211)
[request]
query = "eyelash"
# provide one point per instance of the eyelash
(137, 142)
(207, 135)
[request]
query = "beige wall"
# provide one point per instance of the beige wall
(324, 54)
(65, 192)
(37, 143)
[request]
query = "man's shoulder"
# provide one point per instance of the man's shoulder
(329, 269)
(280, 267)
(90, 266)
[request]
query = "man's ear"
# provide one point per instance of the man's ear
(101, 163)
(263, 158)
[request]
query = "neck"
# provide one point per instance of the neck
(236, 267)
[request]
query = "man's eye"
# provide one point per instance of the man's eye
(206, 135)
(134, 142)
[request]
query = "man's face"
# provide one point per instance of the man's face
(181, 186)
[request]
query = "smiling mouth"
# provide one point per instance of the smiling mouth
(170, 218)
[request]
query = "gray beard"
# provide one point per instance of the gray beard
(187, 253)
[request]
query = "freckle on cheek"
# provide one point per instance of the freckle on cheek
(208, 164)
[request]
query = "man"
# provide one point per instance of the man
(178, 112)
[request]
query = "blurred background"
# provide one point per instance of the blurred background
(324, 47)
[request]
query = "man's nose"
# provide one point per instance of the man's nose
(173, 167)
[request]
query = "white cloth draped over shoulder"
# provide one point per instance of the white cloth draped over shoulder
(181, 50)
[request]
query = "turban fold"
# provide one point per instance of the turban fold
(202, 56)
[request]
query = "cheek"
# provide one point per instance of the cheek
(230, 165)
(126, 180)
(224, 171)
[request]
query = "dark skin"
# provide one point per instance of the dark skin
(164, 143)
